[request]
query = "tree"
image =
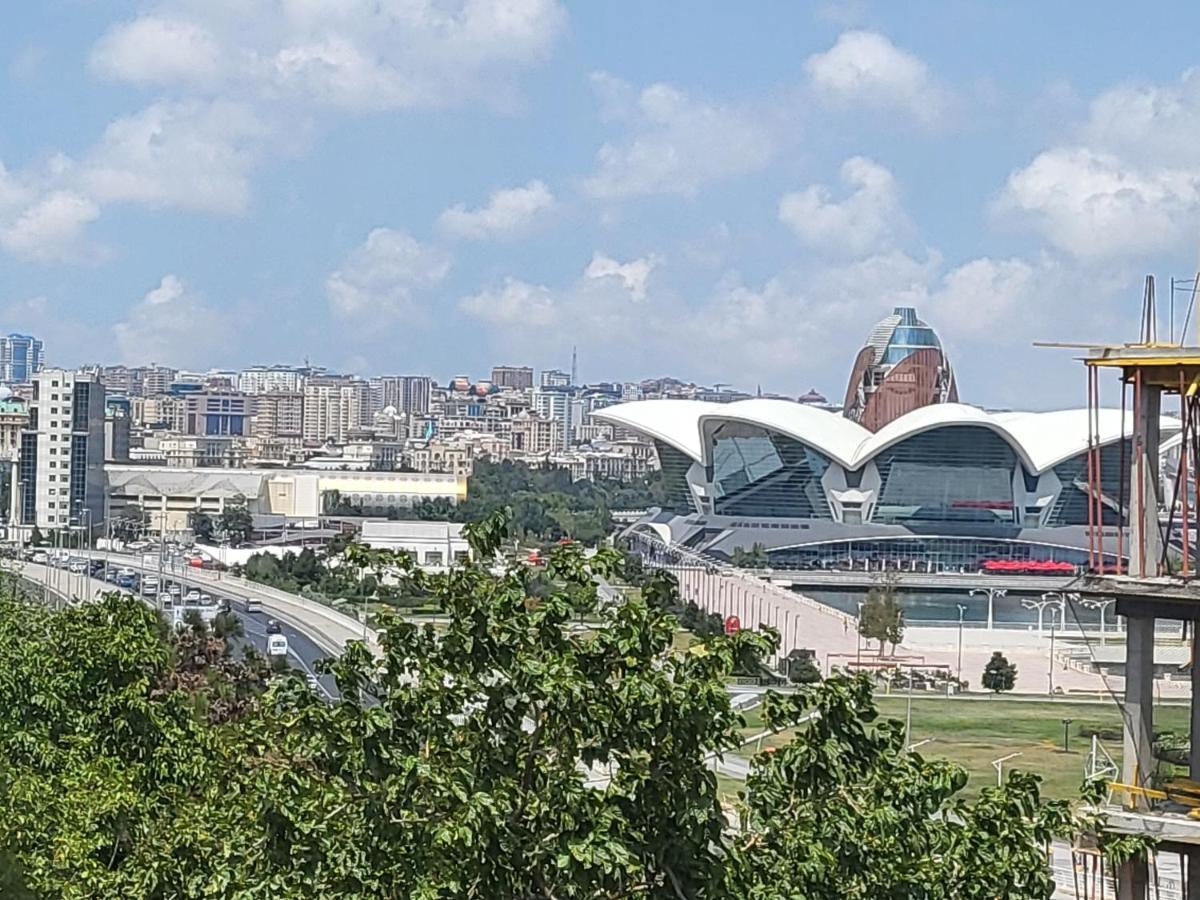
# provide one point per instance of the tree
(999, 674)
(36, 538)
(504, 754)
(802, 668)
(882, 619)
(201, 525)
(235, 521)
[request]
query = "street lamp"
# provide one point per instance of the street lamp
(992, 594)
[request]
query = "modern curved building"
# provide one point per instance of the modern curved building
(946, 483)
(901, 369)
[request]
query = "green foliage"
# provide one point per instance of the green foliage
(235, 522)
(545, 503)
(803, 670)
(999, 674)
(882, 619)
(754, 558)
(201, 525)
(37, 539)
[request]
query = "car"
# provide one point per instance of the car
(174, 589)
(253, 605)
(273, 627)
(192, 596)
(78, 565)
(206, 600)
(166, 601)
(313, 684)
(40, 556)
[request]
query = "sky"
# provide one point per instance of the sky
(722, 192)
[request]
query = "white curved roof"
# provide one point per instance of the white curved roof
(1041, 439)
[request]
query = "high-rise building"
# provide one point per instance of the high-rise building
(20, 358)
(335, 405)
(517, 377)
(279, 415)
(555, 404)
(60, 469)
(901, 368)
(404, 393)
(555, 378)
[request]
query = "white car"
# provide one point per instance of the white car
(174, 589)
(39, 556)
(192, 596)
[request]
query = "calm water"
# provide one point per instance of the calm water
(942, 608)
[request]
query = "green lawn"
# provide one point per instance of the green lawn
(973, 732)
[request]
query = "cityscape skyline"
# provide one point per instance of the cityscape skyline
(202, 196)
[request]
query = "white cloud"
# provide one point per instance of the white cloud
(865, 68)
(350, 55)
(171, 323)
(631, 275)
(152, 49)
(1125, 183)
(189, 155)
(51, 229)
(1094, 204)
(676, 144)
(508, 212)
(515, 303)
(869, 219)
(382, 277)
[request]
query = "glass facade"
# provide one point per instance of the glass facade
(958, 473)
(931, 553)
(756, 472)
(1070, 507)
(675, 465)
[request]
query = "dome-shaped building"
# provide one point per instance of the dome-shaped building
(901, 368)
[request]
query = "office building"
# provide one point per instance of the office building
(156, 380)
(517, 378)
(554, 378)
(217, 414)
(946, 485)
(20, 358)
(60, 468)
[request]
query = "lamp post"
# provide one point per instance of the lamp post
(1101, 604)
(961, 609)
(992, 594)
(1066, 735)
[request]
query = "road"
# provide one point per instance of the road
(303, 649)
(958, 582)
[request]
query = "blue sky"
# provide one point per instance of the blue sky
(722, 192)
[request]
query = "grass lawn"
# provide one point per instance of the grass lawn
(974, 732)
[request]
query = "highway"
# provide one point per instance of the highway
(959, 582)
(304, 649)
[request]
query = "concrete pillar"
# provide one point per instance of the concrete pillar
(1193, 855)
(1133, 880)
(1145, 539)
(1137, 761)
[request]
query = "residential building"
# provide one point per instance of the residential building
(271, 379)
(334, 405)
(157, 380)
(518, 378)
(279, 415)
(201, 451)
(160, 413)
(217, 414)
(117, 435)
(555, 378)
(20, 358)
(556, 404)
(535, 435)
(60, 469)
